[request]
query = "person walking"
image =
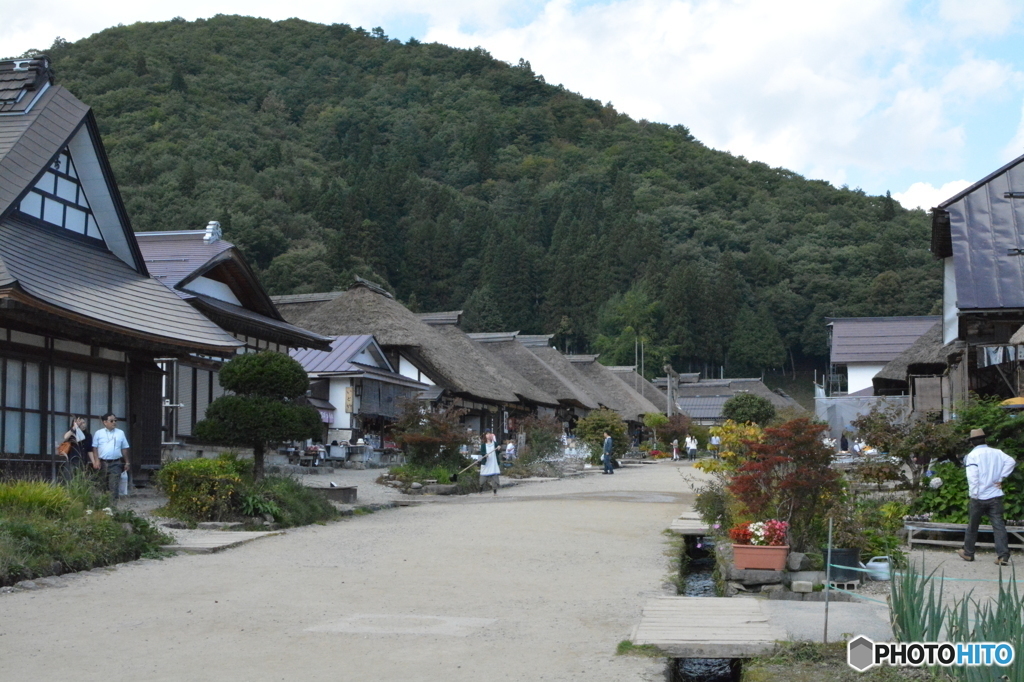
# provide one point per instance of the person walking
(986, 469)
(111, 446)
(714, 444)
(490, 470)
(675, 450)
(607, 458)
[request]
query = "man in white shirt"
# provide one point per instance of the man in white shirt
(986, 469)
(111, 446)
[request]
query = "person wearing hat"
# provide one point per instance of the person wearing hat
(986, 468)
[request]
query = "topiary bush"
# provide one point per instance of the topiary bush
(747, 407)
(202, 489)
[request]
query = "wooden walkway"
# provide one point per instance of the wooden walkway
(208, 541)
(689, 523)
(707, 627)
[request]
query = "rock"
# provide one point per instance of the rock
(128, 528)
(220, 525)
(440, 489)
(802, 586)
(269, 518)
(27, 585)
(753, 577)
(416, 485)
(51, 581)
(732, 589)
(832, 596)
(6, 590)
(797, 561)
(785, 595)
(771, 588)
(814, 577)
(174, 523)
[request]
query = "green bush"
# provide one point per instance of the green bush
(202, 489)
(948, 503)
(224, 489)
(47, 529)
(747, 407)
(410, 473)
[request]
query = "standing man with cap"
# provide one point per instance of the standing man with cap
(986, 469)
(111, 446)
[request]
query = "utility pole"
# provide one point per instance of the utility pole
(671, 382)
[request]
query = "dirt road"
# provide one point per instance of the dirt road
(539, 582)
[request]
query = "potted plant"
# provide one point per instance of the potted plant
(760, 545)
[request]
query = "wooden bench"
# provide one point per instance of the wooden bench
(916, 528)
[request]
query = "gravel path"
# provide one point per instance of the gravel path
(538, 582)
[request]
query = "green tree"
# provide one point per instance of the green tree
(591, 430)
(747, 407)
(262, 410)
(655, 421)
(756, 344)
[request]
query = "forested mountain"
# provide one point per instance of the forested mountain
(463, 182)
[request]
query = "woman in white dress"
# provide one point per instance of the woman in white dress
(490, 469)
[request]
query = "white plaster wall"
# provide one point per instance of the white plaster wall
(859, 376)
(213, 289)
(342, 419)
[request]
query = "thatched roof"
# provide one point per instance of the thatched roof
(615, 392)
(503, 375)
(927, 355)
(707, 388)
(365, 309)
(536, 371)
(565, 369)
(639, 384)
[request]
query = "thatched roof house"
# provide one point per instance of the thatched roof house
(538, 345)
(368, 309)
(927, 356)
(615, 393)
(542, 375)
(446, 324)
(639, 384)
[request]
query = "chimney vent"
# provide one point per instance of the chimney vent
(212, 232)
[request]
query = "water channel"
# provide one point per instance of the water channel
(698, 581)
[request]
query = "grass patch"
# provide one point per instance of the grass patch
(677, 560)
(48, 529)
(814, 661)
(627, 648)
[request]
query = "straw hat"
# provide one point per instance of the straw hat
(977, 433)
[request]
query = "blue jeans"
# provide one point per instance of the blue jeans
(993, 509)
(607, 460)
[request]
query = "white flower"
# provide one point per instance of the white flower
(935, 483)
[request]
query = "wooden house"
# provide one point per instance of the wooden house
(979, 235)
(212, 276)
(82, 323)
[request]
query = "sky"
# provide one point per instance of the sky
(918, 97)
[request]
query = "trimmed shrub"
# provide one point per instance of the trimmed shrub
(201, 489)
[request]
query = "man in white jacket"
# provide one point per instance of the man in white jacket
(986, 469)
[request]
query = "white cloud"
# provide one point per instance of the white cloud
(1015, 147)
(851, 87)
(923, 195)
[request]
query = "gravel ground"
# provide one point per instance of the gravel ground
(538, 582)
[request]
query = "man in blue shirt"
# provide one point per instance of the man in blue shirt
(111, 446)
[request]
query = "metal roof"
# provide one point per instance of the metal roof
(172, 256)
(340, 360)
(112, 296)
(703, 407)
(986, 228)
(281, 331)
(875, 339)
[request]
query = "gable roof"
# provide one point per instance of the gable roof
(558, 362)
(32, 137)
(542, 375)
(368, 309)
(179, 259)
(340, 360)
(875, 340)
(112, 297)
(639, 384)
(727, 388)
(502, 373)
(982, 228)
(615, 393)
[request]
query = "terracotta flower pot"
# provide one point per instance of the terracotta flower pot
(760, 557)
